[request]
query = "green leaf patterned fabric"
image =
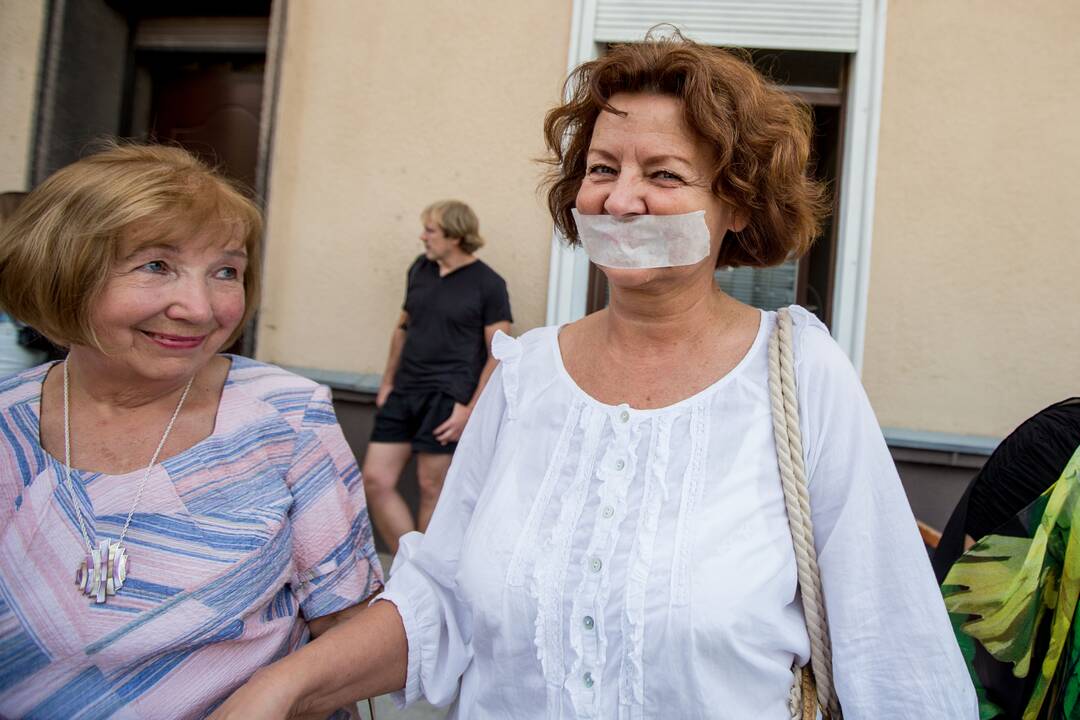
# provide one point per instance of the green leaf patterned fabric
(1017, 598)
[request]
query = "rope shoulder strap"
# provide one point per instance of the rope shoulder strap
(789, 456)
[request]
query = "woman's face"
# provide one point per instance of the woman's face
(168, 307)
(650, 162)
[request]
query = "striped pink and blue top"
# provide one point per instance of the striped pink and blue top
(235, 542)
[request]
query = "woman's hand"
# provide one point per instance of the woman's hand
(450, 430)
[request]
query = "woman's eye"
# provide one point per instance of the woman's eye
(154, 266)
(227, 273)
(666, 175)
(601, 170)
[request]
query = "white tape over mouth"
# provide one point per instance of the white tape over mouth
(644, 241)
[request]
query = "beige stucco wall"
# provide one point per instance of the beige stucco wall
(974, 300)
(384, 108)
(22, 27)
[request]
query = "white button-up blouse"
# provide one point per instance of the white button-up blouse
(596, 561)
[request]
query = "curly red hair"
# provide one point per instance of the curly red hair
(760, 135)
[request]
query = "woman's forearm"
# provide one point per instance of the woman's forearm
(364, 656)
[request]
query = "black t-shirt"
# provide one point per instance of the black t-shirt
(444, 342)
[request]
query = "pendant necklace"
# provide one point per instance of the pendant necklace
(104, 569)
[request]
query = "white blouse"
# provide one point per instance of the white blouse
(597, 561)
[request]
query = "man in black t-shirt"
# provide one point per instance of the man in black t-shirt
(438, 365)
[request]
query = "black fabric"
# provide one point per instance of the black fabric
(31, 339)
(444, 341)
(412, 418)
(1022, 467)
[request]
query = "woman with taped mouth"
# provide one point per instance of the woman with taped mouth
(670, 507)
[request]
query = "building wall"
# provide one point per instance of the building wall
(973, 320)
(22, 30)
(384, 108)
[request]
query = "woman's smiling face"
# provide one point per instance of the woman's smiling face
(169, 306)
(650, 162)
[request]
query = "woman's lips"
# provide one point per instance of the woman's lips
(175, 342)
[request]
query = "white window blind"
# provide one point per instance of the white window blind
(829, 25)
(765, 288)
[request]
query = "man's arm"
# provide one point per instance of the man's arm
(489, 366)
(397, 342)
(450, 430)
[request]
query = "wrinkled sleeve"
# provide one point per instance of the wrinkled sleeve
(422, 585)
(894, 652)
(497, 302)
(333, 550)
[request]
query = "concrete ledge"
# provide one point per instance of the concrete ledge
(913, 446)
(940, 442)
(367, 383)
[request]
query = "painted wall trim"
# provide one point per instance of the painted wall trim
(275, 55)
(568, 274)
(44, 113)
(936, 442)
(340, 380)
(45, 63)
(858, 188)
(940, 441)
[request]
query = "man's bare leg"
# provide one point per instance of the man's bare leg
(383, 466)
(430, 473)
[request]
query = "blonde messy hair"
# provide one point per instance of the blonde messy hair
(457, 220)
(58, 250)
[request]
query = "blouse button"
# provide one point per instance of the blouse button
(595, 565)
(607, 512)
(624, 416)
(587, 679)
(587, 621)
(619, 465)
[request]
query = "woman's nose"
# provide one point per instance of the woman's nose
(191, 302)
(627, 197)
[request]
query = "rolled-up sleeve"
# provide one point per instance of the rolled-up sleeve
(422, 580)
(333, 548)
(894, 652)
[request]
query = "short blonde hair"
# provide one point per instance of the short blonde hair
(457, 220)
(9, 203)
(58, 250)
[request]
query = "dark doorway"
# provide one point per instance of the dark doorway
(209, 104)
(186, 71)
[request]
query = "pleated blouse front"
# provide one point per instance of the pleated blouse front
(598, 561)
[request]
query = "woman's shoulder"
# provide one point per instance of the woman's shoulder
(527, 366)
(824, 374)
(286, 393)
(533, 350)
(815, 349)
(22, 386)
(506, 347)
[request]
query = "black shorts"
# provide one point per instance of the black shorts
(412, 418)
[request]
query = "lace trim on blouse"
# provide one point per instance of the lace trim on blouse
(549, 579)
(691, 496)
(654, 495)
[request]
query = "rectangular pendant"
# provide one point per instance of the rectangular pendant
(103, 571)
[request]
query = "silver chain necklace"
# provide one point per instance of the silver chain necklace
(104, 569)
